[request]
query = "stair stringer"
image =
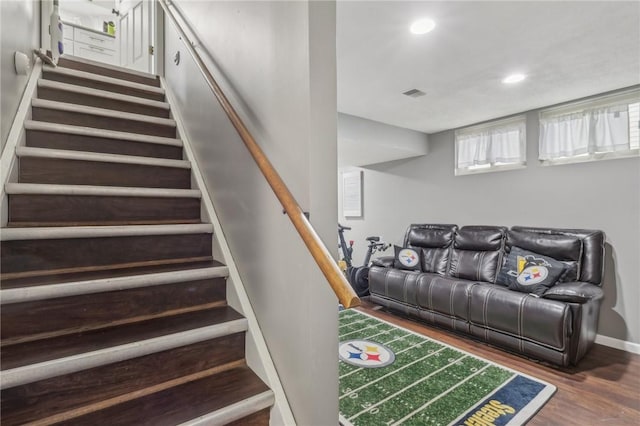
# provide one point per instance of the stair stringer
(257, 353)
(17, 137)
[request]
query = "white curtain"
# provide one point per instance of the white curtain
(587, 132)
(491, 146)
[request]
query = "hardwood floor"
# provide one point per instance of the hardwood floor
(603, 389)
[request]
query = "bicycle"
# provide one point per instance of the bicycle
(358, 276)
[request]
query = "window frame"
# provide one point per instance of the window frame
(629, 96)
(520, 119)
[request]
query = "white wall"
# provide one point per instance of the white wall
(19, 31)
(599, 195)
(278, 58)
(363, 142)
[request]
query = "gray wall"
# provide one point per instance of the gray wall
(19, 31)
(279, 60)
(602, 195)
(363, 142)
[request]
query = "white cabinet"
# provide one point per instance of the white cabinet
(91, 45)
(68, 46)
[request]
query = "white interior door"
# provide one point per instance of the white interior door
(135, 30)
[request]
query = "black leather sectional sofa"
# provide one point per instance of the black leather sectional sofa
(456, 288)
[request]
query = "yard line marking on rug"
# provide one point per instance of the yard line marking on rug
(416, 411)
(375, 325)
(358, 331)
(417, 382)
(352, 323)
(392, 372)
(374, 335)
(369, 336)
(462, 388)
(386, 343)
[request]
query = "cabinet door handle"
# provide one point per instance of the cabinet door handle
(99, 49)
(97, 39)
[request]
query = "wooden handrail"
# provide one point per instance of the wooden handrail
(318, 250)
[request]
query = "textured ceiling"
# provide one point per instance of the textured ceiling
(567, 49)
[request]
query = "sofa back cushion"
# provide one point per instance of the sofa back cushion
(477, 253)
(591, 260)
(564, 248)
(435, 240)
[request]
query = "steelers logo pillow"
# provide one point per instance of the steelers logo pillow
(406, 258)
(529, 272)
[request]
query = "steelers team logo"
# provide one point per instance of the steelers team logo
(408, 258)
(533, 275)
(365, 353)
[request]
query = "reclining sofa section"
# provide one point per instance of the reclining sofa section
(456, 287)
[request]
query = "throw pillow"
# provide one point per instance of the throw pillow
(406, 258)
(530, 272)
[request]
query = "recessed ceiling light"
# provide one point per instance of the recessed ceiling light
(514, 78)
(422, 26)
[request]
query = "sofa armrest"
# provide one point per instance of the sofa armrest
(575, 292)
(383, 261)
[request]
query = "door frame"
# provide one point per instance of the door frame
(156, 36)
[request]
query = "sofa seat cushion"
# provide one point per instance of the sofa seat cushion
(527, 317)
(445, 295)
(396, 284)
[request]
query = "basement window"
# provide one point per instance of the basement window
(494, 146)
(606, 127)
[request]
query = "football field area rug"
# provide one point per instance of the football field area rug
(392, 376)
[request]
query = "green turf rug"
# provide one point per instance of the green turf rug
(391, 376)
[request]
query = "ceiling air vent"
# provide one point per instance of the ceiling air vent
(414, 93)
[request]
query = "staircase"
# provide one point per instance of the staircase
(113, 308)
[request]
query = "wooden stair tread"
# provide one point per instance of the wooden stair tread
(90, 131)
(24, 354)
(42, 134)
(61, 394)
(98, 172)
(81, 64)
(82, 95)
(89, 190)
(125, 270)
(181, 403)
(51, 84)
(61, 154)
(80, 109)
(38, 319)
(77, 97)
(126, 86)
(80, 115)
(44, 210)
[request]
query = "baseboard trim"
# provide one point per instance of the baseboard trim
(623, 345)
